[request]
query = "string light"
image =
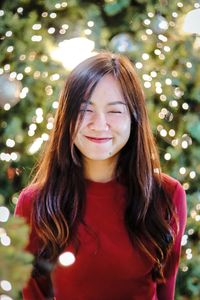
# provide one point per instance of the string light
(180, 4)
(184, 240)
(182, 170)
(172, 24)
(45, 136)
(62, 31)
(22, 57)
(7, 67)
(90, 23)
(150, 15)
(51, 30)
(36, 26)
(10, 143)
(27, 69)
(66, 26)
(173, 103)
(174, 142)
(55, 77)
(162, 37)
(149, 31)
(19, 76)
(53, 15)
(44, 58)
(20, 10)
(188, 253)
(163, 98)
(174, 14)
(192, 174)
(162, 56)
(189, 64)
(7, 106)
(87, 31)
(24, 92)
(186, 186)
(44, 14)
(184, 144)
(13, 75)
(64, 4)
(139, 65)
(157, 51)
(145, 56)
(1, 12)
(35, 146)
(10, 49)
(172, 132)
(163, 132)
(50, 123)
(178, 93)
(5, 240)
(49, 90)
(167, 156)
(39, 115)
(196, 5)
(168, 81)
(36, 74)
(67, 258)
(6, 285)
(191, 231)
(55, 104)
(36, 38)
(147, 84)
(143, 37)
(4, 214)
(174, 73)
(153, 74)
(166, 48)
(185, 268)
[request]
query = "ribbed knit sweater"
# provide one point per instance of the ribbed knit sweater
(107, 266)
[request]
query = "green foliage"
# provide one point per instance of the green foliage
(114, 7)
(15, 262)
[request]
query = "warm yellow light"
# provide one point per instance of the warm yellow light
(192, 21)
(72, 52)
(67, 258)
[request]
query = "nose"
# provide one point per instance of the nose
(99, 122)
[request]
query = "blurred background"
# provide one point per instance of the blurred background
(40, 42)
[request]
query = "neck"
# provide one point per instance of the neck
(100, 170)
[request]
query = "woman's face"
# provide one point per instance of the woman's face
(106, 124)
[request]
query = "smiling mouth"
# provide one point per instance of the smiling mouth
(98, 140)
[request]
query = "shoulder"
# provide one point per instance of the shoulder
(171, 185)
(25, 202)
(177, 195)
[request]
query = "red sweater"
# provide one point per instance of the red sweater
(110, 269)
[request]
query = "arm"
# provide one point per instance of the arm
(34, 287)
(166, 291)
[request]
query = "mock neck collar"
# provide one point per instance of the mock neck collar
(105, 189)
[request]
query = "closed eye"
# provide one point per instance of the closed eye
(115, 112)
(85, 110)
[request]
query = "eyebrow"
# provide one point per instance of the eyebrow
(110, 103)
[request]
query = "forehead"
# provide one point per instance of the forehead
(107, 89)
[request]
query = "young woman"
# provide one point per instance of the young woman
(106, 224)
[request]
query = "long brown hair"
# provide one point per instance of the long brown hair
(59, 178)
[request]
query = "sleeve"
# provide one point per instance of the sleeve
(33, 289)
(166, 291)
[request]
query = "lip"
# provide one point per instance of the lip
(98, 140)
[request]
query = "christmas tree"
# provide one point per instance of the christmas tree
(41, 41)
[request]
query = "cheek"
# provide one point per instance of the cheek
(122, 124)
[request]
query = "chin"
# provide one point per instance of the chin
(98, 157)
